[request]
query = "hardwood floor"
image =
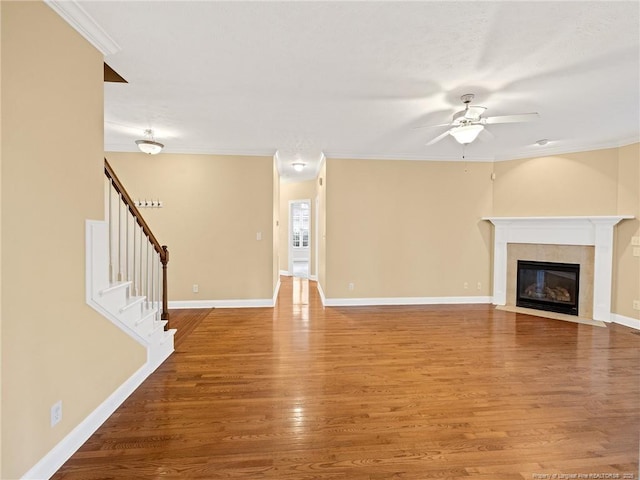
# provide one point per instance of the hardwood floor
(185, 320)
(302, 392)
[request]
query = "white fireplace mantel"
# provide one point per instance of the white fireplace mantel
(596, 231)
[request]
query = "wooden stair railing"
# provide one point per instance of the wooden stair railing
(132, 247)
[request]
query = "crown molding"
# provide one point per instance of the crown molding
(85, 25)
(417, 158)
(530, 152)
(534, 151)
(126, 148)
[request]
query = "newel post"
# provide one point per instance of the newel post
(165, 297)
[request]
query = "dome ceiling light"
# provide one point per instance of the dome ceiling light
(149, 144)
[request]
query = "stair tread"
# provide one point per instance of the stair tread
(133, 301)
(146, 315)
(149, 312)
(114, 286)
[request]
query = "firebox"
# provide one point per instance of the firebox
(548, 286)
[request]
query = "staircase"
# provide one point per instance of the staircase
(126, 278)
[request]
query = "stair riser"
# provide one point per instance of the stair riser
(131, 315)
(114, 299)
(146, 327)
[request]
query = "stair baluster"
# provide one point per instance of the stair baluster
(153, 280)
(158, 288)
(109, 213)
(133, 262)
(135, 255)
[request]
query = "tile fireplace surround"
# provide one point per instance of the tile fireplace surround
(596, 231)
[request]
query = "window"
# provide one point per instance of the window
(300, 225)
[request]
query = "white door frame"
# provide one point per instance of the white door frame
(315, 237)
(298, 253)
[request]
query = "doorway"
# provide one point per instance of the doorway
(299, 237)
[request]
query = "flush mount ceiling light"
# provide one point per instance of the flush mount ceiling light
(465, 134)
(298, 166)
(149, 144)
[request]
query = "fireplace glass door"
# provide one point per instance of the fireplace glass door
(548, 286)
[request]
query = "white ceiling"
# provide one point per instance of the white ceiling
(354, 79)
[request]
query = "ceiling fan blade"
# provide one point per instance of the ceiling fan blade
(432, 126)
(486, 136)
(438, 138)
(521, 117)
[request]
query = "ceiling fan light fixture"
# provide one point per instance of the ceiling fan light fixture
(149, 145)
(465, 134)
(298, 166)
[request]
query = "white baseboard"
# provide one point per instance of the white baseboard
(249, 303)
(321, 292)
(626, 321)
(379, 301)
(285, 273)
(275, 293)
(313, 277)
(52, 461)
(361, 302)
(239, 303)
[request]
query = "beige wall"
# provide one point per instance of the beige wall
(572, 184)
(213, 208)
(626, 284)
(407, 229)
(276, 225)
(54, 347)
(413, 217)
(290, 191)
(0, 240)
(600, 182)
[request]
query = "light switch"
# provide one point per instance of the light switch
(259, 236)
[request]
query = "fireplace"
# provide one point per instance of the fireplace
(549, 286)
(596, 231)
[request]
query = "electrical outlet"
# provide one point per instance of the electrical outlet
(635, 241)
(351, 286)
(479, 286)
(636, 251)
(466, 285)
(196, 288)
(636, 304)
(259, 236)
(56, 413)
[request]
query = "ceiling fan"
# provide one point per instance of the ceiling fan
(468, 123)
